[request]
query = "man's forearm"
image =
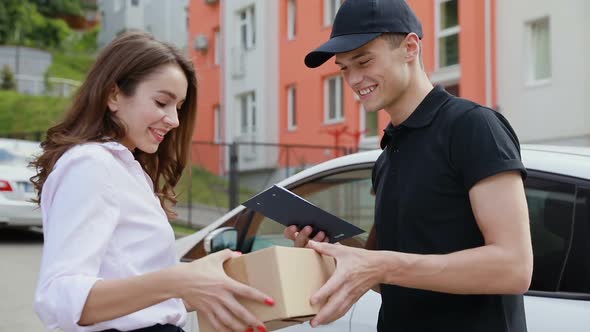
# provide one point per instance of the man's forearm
(484, 270)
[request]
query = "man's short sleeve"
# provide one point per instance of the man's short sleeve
(484, 144)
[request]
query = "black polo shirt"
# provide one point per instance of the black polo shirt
(422, 180)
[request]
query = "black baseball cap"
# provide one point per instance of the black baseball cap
(359, 22)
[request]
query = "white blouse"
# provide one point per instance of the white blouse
(101, 220)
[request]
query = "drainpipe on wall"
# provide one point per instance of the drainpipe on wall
(488, 51)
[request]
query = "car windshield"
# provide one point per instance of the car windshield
(6, 157)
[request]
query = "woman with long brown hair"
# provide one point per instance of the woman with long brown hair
(106, 183)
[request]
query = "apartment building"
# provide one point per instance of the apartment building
(543, 71)
(256, 88)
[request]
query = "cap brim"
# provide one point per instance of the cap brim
(338, 44)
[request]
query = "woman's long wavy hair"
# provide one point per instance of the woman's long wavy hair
(124, 63)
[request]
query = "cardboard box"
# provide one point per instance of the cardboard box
(289, 275)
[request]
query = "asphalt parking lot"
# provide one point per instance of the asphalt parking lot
(20, 256)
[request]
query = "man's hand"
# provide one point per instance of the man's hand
(357, 270)
(300, 238)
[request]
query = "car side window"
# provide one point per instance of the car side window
(576, 276)
(551, 208)
(346, 194)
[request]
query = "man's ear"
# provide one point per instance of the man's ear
(412, 46)
(114, 99)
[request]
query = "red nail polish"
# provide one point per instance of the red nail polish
(269, 301)
(250, 329)
(261, 328)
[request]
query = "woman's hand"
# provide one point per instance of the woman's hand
(206, 287)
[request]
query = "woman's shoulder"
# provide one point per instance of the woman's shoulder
(93, 153)
(83, 167)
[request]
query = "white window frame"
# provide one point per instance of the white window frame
(248, 22)
(251, 118)
(217, 47)
(217, 124)
(292, 108)
(291, 19)
(330, 9)
(338, 102)
(364, 134)
(531, 51)
(442, 33)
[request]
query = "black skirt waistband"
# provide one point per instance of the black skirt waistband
(155, 328)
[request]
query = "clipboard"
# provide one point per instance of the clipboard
(287, 208)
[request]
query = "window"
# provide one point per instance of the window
(247, 28)
(346, 194)
(247, 104)
(217, 124)
(551, 208)
(334, 108)
(291, 19)
(135, 3)
(576, 276)
(292, 108)
(217, 47)
(330, 9)
(539, 50)
(370, 123)
(447, 33)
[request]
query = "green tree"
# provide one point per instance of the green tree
(8, 81)
(58, 8)
(85, 42)
(4, 23)
(11, 15)
(22, 24)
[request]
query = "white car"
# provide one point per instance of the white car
(16, 190)
(558, 195)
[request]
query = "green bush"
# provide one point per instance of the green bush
(72, 66)
(207, 188)
(23, 113)
(56, 8)
(85, 42)
(7, 76)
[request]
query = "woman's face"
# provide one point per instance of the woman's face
(152, 111)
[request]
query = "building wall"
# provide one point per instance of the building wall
(474, 54)
(204, 21)
(557, 108)
(254, 70)
(114, 19)
(311, 128)
(166, 20)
